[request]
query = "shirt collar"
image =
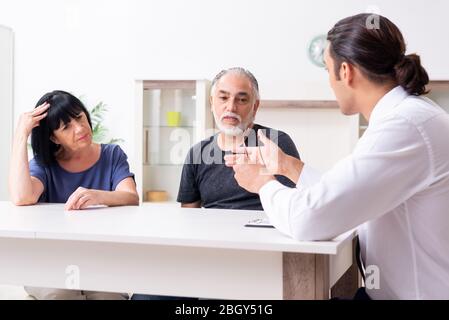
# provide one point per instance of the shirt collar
(387, 103)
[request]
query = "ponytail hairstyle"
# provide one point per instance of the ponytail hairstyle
(378, 50)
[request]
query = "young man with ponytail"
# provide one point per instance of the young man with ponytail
(394, 187)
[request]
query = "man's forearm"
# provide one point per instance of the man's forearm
(196, 204)
(291, 168)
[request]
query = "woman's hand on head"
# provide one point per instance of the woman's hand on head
(31, 119)
(83, 198)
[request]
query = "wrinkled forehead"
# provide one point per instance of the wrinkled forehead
(234, 84)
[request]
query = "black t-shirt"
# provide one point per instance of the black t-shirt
(205, 176)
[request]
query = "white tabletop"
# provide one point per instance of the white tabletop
(155, 224)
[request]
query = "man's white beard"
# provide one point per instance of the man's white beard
(237, 130)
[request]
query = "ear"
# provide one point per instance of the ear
(211, 103)
(347, 73)
(256, 106)
(54, 139)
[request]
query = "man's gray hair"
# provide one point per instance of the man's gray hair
(241, 71)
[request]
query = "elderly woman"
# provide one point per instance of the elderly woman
(68, 167)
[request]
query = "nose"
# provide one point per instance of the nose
(78, 127)
(231, 106)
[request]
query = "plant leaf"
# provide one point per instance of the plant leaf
(99, 132)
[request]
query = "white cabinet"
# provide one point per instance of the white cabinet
(439, 92)
(6, 103)
(322, 134)
(172, 116)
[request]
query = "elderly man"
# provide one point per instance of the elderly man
(206, 181)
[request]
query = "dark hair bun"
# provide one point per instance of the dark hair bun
(411, 75)
(378, 51)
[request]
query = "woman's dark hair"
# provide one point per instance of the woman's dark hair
(63, 107)
(376, 45)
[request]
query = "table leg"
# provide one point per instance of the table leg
(347, 285)
(307, 277)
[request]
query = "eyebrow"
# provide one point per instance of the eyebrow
(240, 94)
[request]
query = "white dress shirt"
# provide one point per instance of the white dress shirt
(394, 187)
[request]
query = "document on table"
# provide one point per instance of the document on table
(259, 223)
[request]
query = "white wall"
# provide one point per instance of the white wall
(97, 48)
(6, 102)
(321, 136)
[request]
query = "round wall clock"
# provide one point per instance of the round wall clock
(316, 50)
